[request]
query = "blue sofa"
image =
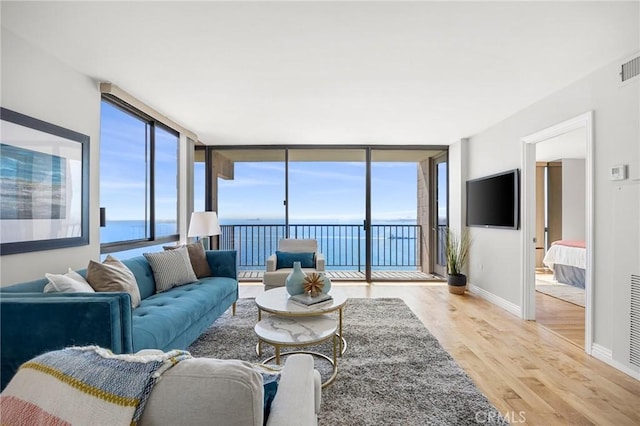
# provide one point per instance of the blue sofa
(33, 322)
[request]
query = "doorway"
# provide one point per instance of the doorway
(557, 245)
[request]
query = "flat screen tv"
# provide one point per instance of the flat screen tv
(494, 201)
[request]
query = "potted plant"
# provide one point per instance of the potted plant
(457, 252)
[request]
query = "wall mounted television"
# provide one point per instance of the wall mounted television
(494, 201)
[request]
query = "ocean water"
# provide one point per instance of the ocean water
(395, 243)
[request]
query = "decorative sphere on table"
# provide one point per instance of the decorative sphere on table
(295, 280)
(313, 284)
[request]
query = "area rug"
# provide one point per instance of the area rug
(394, 371)
(564, 292)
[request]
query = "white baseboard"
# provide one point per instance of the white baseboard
(605, 355)
(496, 300)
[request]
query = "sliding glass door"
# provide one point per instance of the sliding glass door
(326, 202)
(368, 208)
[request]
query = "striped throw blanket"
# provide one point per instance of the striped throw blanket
(83, 386)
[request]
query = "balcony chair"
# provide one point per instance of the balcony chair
(275, 277)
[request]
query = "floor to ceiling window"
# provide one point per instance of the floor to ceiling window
(368, 208)
(138, 180)
(249, 200)
(326, 202)
(440, 212)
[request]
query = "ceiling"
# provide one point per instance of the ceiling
(332, 72)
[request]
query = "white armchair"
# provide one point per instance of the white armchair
(274, 277)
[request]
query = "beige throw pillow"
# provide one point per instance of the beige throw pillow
(171, 268)
(197, 257)
(113, 276)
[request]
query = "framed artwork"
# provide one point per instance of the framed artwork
(44, 185)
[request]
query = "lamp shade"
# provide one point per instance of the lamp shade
(203, 224)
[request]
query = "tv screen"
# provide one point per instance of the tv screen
(494, 201)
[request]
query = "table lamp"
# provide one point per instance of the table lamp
(203, 224)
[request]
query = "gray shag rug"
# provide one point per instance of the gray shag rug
(394, 371)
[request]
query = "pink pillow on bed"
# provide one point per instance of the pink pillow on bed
(570, 243)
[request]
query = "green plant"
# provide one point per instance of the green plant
(456, 250)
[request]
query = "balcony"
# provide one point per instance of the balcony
(397, 250)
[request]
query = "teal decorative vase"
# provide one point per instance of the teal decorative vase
(327, 283)
(295, 280)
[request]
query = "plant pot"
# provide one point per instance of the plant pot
(457, 283)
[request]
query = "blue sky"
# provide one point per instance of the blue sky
(319, 192)
(123, 174)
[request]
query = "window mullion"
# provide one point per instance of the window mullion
(152, 179)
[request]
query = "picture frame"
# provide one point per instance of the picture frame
(44, 185)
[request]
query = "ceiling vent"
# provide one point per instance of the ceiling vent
(630, 70)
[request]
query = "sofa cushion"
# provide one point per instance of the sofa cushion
(198, 258)
(144, 275)
(164, 316)
(286, 259)
(171, 268)
(71, 282)
(113, 276)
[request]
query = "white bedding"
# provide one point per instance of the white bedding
(563, 255)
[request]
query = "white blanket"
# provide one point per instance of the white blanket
(563, 255)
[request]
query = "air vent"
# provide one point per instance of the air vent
(634, 353)
(630, 69)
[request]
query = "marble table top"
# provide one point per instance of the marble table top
(302, 330)
(277, 301)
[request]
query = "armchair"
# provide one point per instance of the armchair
(274, 277)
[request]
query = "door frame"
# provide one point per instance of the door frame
(528, 149)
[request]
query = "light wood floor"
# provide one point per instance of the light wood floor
(526, 371)
(563, 318)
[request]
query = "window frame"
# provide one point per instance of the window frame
(152, 240)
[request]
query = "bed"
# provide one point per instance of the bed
(568, 261)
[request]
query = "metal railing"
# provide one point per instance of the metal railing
(397, 247)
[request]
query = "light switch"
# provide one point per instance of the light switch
(618, 172)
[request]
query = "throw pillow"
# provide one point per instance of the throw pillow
(197, 257)
(285, 259)
(171, 268)
(270, 380)
(71, 282)
(113, 276)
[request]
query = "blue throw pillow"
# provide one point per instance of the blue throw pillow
(286, 259)
(270, 389)
(270, 379)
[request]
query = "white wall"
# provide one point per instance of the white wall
(38, 85)
(496, 254)
(573, 199)
(457, 163)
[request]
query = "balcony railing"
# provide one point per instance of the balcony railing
(394, 247)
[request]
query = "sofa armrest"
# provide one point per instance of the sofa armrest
(222, 263)
(320, 261)
(271, 263)
(34, 323)
(205, 391)
(297, 400)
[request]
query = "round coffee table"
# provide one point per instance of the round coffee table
(276, 301)
(299, 332)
